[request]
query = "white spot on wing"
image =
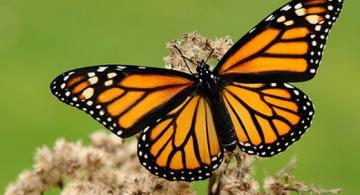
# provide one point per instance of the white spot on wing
(108, 82)
(286, 8)
(111, 75)
(102, 69)
(281, 19)
(88, 93)
(289, 22)
(121, 67)
(93, 80)
(300, 12)
(91, 74)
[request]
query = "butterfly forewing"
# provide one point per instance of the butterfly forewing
(267, 117)
(182, 144)
(122, 98)
(286, 46)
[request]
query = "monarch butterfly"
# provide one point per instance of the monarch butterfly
(186, 121)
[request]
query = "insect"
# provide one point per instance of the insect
(187, 121)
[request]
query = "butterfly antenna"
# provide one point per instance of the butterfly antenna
(185, 58)
(211, 52)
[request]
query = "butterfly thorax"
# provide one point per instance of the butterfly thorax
(206, 80)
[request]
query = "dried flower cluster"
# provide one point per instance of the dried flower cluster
(108, 166)
(105, 167)
(195, 48)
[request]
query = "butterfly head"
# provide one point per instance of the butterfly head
(202, 68)
(204, 72)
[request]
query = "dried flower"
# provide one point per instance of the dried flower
(195, 48)
(28, 183)
(150, 184)
(282, 183)
(235, 177)
(107, 166)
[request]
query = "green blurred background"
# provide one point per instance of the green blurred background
(40, 39)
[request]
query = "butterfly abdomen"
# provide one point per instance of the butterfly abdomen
(223, 124)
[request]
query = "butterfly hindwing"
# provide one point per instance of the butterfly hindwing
(183, 144)
(122, 98)
(267, 117)
(287, 46)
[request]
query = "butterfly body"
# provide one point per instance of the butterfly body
(209, 86)
(186, 121)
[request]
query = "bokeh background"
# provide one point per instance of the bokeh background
(40, 39)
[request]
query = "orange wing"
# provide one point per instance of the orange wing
(267, 118)
(122, 98)
(183, 145)
(286, 46)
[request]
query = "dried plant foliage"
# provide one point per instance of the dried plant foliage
(283, 183)
(108, 166)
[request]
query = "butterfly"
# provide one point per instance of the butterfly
(187, 121)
